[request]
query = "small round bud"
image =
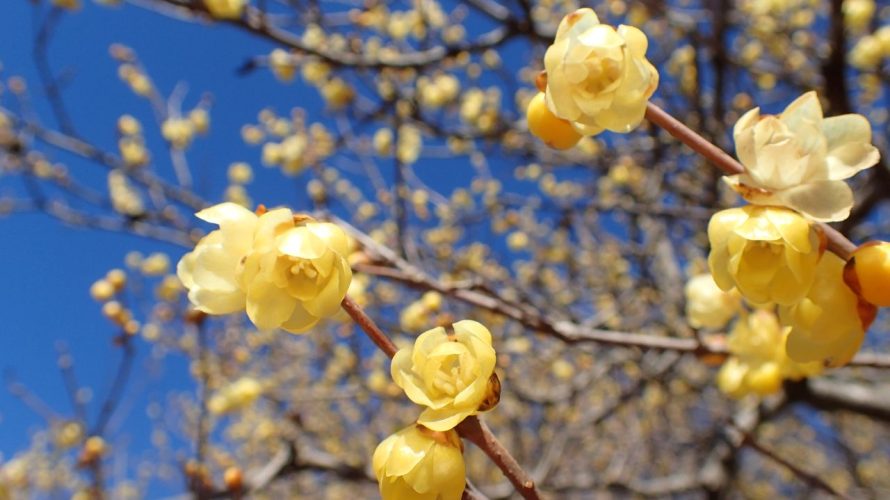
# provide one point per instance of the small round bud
(117, 278)
(543, 124)
(234, 479)
(868, 272)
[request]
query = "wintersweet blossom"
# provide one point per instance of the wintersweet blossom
(417, 463)
(768, 253)
(598, 77)
(448, 373)
(799, 159)
(235, 396)
(287, 271)
(829, 324)
(225, 9)
(758, 363)
(707, 306)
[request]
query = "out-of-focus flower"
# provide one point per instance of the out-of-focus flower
(448, 373)
(829, 324)
(282, 64)
(868, 272)
(800, 159)
(598, 78)
(769, 253)
(288, 272)
(707, 306)
(235, 396)
(67, 4)
(417, 314)
(225, 9)
(417, 463)
(543, 124)
(200, 120)
(178, 132)
(858, 13)
(758, 363)
(125, 199)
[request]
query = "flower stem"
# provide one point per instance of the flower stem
(475, 431)
(837, 242)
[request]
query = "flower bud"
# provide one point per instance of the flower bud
(868, 272)
(543, 124)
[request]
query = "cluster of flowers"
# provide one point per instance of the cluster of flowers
(771, 251)
(288, 271)
(597, 78)
(450, 373)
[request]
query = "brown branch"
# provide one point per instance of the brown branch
(837, 242)
(475, 431)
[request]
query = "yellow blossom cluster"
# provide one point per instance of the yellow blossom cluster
(131, 143)
(450, 373)
(287, 271)
(125, 198)
(418, 313)
(288, 143)
(235, 396)
(771, 251)
(239, 175)
(758, 363)
(871, 49)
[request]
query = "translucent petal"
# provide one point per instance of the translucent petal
(300, 321)
(848, 160)
(301, 243)
(442, 419)
(408, 451)
(825, 201)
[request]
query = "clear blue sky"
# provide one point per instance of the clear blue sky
(48, 268)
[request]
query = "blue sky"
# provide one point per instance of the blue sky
(48, 268)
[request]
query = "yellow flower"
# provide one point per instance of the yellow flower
(178, 132)
(447, 373)
(858, 13)
(597, 77)
(758, 363)
(868, 272)
(800, 159)
(826, 325)
(225, 9)
(283, 66)
(235, 396)
(707, 306)
(554, 131)
(125, 198)
(287, 273)
(768, 253)
(419, 464)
